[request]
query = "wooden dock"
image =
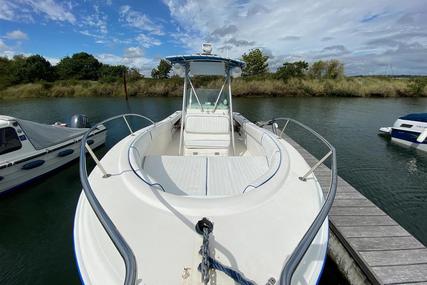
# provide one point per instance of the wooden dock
(383, 250)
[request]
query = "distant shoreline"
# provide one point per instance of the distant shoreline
(242, 87)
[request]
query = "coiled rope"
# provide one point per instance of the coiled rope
(204, 227)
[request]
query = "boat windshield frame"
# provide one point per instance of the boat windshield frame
(209, 65)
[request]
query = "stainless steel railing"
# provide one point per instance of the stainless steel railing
(306, 241)
(114, 234)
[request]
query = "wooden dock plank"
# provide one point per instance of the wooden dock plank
(353, 203)
(386, 252)
(362, 221)
(346, 195)
(384, 243)
(395, 257)
(356, 211)
(373, 231)
(401, 274)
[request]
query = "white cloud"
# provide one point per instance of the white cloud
(132, 57)
(97, 20)
(17, 35)
(307, 30)
(52, 10)
(23, 9)
(139, 20)
(52, 60)
(7, 10)
(3, 46)
(147, 41)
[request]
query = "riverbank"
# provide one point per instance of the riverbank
(347, 87)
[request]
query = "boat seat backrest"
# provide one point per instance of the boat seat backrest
(206, 132)
(140, 148)
(207, 124)
(261, 141)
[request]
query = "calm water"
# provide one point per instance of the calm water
(36, 222)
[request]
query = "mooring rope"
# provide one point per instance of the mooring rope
(204, 227)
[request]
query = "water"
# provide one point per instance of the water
(36, 222)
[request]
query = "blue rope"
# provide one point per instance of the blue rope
(236, 276)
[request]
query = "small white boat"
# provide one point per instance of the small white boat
(29, 150)
(409, 130)
(203, 197)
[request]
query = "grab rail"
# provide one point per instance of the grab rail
(114, 234)
(309, 236)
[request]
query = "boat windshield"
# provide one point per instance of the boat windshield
(208, 98)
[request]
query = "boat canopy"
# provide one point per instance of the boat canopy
(42, 136)
(182, 59)
(206, 64)
(420, 117)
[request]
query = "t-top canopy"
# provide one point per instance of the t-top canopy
(182, 59)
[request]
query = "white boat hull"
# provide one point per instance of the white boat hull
(254, 233)
(37, 164)
(405, 143)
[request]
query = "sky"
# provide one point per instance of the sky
(368, 36)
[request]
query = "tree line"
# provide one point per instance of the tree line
(83, 66)
(80, 66)
(257, 67)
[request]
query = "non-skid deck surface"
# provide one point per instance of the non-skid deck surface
(201, 175)
(386, 252)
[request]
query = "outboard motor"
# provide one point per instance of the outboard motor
(79, 121)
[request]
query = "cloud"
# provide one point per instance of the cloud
(368, 32)
(97, 20)
(139, 20)
(325, 39)
(290, 38)
(7, 10)
(16, 35)
(225, 30)
(52, 60)
(132, 57)
(3, 46)
(23, 10)
(52, 10)
(147, 41)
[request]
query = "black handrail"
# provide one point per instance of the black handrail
(302, 247)
(114, 234)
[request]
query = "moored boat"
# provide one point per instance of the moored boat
(203, 197)
(29, 150)
(409, 130)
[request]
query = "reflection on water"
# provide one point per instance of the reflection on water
(36, 223)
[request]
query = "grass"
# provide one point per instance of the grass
(347, 87)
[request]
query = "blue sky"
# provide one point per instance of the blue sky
(370, 37)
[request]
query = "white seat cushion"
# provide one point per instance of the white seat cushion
(207, 124)
(207, 131)
(180, 175)
(231, 175)
(199, 175)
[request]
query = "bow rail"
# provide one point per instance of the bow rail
(119, 242)
(302, 247)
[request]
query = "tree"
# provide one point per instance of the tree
(36, 68)
(331, 69)
(162, 70)
(335, 69)
(317, 69)
(292, 69)
(111, 73)
(133, 74)
(256, 63)
(80, 66)
(5, 72)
